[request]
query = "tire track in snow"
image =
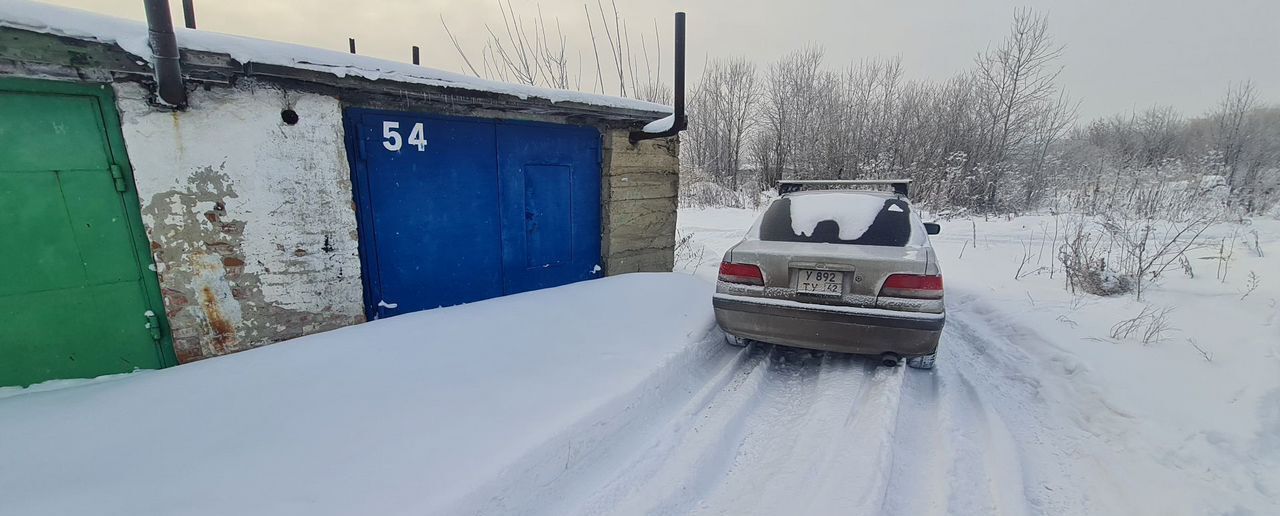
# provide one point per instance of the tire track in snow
(689, 451)
(766, 451)
(923, 452)
(958, 455)
(786, 431)
(854, 476)
(1006, 364)
(792, 476)
(985, 455)
(796, 432)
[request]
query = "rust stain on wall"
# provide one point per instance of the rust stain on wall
(250, 233)
(224, 333)
(215, 307)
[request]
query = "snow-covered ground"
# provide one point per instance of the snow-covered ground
(618, 396)
(1033, 408)
(493, 407)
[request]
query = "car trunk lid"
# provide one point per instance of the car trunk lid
(789, 269)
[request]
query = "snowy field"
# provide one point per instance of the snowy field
(1033, 407)
(618, 396)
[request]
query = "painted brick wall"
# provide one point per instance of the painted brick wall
(640, 188)
(250, 219)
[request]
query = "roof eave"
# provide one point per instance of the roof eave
(52, 50)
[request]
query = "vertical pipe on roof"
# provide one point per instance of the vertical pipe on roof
(189, 13)
(164, 50)
(678, 119)
(681, 120)
(415, 54)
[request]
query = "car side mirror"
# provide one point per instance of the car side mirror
(932, 228)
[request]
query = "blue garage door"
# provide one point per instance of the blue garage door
(454, 210)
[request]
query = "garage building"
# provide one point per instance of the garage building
(298, 190)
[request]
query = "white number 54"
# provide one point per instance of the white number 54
(391, 137)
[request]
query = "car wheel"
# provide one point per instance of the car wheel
(922, 362)
(736, 341)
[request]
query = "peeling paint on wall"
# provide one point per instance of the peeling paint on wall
(251, 219)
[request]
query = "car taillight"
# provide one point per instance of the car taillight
(913, 286)
(741, 273)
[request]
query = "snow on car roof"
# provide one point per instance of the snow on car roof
(131, 36)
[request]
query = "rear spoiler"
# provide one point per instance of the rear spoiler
(787, 186)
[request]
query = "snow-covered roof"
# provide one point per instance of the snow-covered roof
(131, 36)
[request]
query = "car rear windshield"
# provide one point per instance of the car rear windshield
(838, 218)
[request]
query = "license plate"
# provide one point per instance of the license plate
(829, 283)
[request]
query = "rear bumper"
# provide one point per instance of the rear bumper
(864, 331)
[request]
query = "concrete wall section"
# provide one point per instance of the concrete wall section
(251, 220)
(639, 203)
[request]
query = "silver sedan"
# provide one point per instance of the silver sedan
(836, 269)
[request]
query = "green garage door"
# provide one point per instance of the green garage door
(77, 296)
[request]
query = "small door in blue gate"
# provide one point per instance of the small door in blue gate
(550, 189)
(453, 210)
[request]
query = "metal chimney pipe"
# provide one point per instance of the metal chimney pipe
(189, 13)
(164, 50)
(351, 45)
(679, 78)
(679, 122)
(415, 54)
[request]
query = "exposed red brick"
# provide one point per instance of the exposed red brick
(174, 298)
(187, 350)
(232, 228)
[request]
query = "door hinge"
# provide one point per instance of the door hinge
(153, 325)
(117, 176)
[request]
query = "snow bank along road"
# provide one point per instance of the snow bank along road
(618, 396)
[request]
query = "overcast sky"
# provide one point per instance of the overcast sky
(1120, 54)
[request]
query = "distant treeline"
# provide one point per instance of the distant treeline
(1002, 136)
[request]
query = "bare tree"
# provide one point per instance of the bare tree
(1016, 80)
(535, 51)
(722, 111)
(1232, 133)
(1054, 120)
(790, 100)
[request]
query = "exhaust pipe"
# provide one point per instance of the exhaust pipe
(890, 359)
(678, 120)
(164, 48)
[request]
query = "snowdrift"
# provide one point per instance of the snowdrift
(484, 407)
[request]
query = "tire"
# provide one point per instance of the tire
(922, 362)
(737, 342)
